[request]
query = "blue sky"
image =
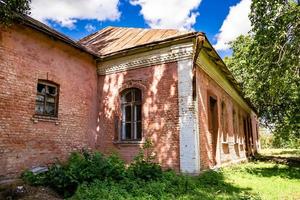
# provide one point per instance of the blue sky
(222, 21)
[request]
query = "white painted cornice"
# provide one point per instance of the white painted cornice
(145, 59)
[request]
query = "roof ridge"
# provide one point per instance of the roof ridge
(128, 27)
(137, 28)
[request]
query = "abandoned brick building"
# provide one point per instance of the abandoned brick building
(113, 90)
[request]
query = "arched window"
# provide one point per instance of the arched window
(46, 101)
(131, 105)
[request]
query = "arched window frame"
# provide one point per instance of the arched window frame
(131, 115)
(46, 101)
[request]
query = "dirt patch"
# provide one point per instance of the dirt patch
(26, 192)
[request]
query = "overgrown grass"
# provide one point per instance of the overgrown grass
(255, 180)
(145, 180)
(211, 185)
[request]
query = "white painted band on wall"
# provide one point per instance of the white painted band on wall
(188, 140)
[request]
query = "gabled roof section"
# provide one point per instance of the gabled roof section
(115, 39)
(30, 22)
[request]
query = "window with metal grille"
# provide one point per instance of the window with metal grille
(46, 102)
(131, 124)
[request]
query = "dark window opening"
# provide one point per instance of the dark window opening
(46, 102)
(235, 126)
(131, 104)
(213, 125)
(224, 123)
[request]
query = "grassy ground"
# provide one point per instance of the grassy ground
(273, 175)
(265, 180)
(268, 179)
(254, 180)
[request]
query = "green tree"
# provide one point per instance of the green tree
(10, 9)
(267, 64)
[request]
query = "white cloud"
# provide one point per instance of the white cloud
(67, 12)
(178, 14)
(236, 23)
(89, 28)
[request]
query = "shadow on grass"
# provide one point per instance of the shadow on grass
(290, 172)
(215, 186)
(290, 161)
(291, 169)
(287, 151)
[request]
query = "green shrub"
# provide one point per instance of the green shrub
(80, 167)
(144, 166)
(61, 180)
(31, 178)
(144, 170)
(95, 176)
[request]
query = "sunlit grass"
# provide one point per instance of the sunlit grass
(267, 180)
(257, 180)
(281, 152)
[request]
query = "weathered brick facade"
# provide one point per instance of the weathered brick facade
(25, 57)
(185, 111)
(160, 112)
(226, 151)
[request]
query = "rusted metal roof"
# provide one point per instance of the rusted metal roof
(114, 39)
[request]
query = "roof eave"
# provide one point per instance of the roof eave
(32, 23)
(219, 62)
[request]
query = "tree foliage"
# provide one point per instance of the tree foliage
(267, 64)
(9, 9)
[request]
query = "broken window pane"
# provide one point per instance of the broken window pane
(40, 98)
(39, 107)
(51, 90)
(51, 99)
(46, 102)
(50, 108)
(41, 88)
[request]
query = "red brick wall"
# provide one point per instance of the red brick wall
(26, 56)
(159, 111)
(226, 152)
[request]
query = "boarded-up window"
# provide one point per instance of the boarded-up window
(131, 104)
(46, 102)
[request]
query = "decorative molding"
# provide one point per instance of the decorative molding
(154, 57)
